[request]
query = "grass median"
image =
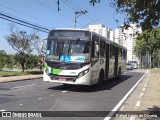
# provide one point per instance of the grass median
(156, 71)
(17, 73)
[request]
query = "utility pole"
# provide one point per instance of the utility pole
(58, 5)
(77, 14)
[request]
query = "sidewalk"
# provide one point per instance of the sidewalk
(145, 97)
(24, 77)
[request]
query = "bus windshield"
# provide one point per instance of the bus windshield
(68, 50)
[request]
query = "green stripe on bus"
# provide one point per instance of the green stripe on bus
(52, 70)
(55, 71)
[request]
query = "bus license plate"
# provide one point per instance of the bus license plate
(62, 79)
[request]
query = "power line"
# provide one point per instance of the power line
(75, 5)
(53, 9)
(24, 14)
(69, 5)
(22, 22)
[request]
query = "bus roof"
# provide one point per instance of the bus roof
(71, 29)
(79, 29)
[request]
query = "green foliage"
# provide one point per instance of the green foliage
(32, 62)
(2, 58)
(149, 41)
(24, 44)
(15, 73)
(145, 13)
(10, 61)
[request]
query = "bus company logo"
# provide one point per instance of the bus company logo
(6, 114)
(77, 58)
(80, 59)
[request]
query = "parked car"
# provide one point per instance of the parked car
(134, 64)
(129, 66)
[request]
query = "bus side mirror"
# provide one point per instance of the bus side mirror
(97, 48)
(43, 46)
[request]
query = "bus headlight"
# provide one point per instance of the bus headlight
(83, 73)
(47, 71)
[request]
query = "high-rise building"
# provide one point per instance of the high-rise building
(127, 37)
(102, 30)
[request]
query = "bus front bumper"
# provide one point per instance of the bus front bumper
(84, 80)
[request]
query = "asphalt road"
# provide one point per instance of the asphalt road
(36, 95)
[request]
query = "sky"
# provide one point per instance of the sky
(45, 13)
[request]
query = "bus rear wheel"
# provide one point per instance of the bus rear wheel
(119, 73)
(101, 78)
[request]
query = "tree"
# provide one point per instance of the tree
(145, 13)
(10, 61)
(32, 62)
(21, 42)
(2, 59)
(148, 41)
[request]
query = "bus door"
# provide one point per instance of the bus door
(107, 61)
(116, 62)
(95, 59)
(111, 61)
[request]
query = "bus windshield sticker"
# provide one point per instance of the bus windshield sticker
(78, 58)
(65, 58)
(72, 58)
(62, 57)
(47, 52)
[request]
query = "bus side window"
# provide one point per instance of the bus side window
(95, 49)
(112, 51)
(102, 48)
(120, 53)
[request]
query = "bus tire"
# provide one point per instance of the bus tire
(119, 73)
(101, 78)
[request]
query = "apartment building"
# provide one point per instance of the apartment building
(127, 37)
(102, 30)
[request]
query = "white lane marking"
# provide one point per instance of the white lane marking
(20, 104)
(148, 78)
(145, 84)
(2, 110)
(138, 104)
(132, 118)
(141, 95)
(124, 98)
(143, 89)
(39, 98)
(23, 86)
(51, 95)
(65, 91)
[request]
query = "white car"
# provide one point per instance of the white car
(129, 66)
(134, 64)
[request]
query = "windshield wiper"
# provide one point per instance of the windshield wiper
(77, 40)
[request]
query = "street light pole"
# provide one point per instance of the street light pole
(77, 14)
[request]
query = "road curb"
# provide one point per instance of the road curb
(5, 81)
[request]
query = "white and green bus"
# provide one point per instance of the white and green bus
(82, 57)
